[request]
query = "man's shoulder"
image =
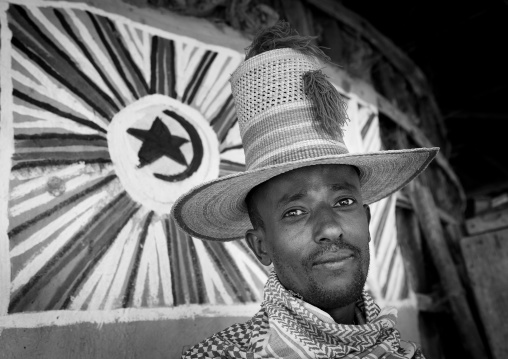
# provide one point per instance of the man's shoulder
(234, 337)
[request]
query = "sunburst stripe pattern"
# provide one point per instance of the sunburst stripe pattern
(195, 81)
(78, 240)
(225, 119)
(128, 298)
(30, 40)
(70, 31)
(182, 254)
(77, 254)
(55, 111)
(59, 206)
(124, 63)
(229, 270)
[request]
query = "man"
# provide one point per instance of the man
(301, 205)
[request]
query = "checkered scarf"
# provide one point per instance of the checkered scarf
(286, 328)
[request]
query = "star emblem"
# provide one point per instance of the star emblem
(157, 142)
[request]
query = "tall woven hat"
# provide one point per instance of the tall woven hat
(290, 116)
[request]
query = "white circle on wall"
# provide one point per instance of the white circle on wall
(161, 148)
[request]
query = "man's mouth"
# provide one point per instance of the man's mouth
(334, 260)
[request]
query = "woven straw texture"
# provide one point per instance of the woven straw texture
(269, 80)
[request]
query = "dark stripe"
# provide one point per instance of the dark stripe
(61, 136)
(63, 154)
(59, 142)
(165, 68)
(187, 275)
(170, 256)
(194, 76)
(236, 147)
(223, 109)
(136, 74)
(153, 64)
(160, 69)
(198, 77)
(41, 276)
(87, 54)
(202, 298)
(220, 122)
(52, 162)
(83, 270)
(178, 295)
(129, 294)
(382, 223)
(67, 72)
(112, 54)
(15, 231)
(56, 111)
(197, 85)
(171, 68)
(366, 127)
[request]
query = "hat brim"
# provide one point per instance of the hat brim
(216, 210)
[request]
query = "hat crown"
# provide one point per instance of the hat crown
(270, 79)
(277, 120)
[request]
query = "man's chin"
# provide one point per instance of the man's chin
(335, 295)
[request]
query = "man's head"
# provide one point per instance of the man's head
(311, 223)
(289, 116)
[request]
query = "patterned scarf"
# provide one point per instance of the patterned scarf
(287, 327)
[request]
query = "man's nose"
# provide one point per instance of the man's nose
(327, 226)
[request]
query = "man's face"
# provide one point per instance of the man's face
(315, 232)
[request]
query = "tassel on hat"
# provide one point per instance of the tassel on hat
(330, 108)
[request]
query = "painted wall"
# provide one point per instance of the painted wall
(120, 334)
(107, 114)
(160, 339)
(132, 339)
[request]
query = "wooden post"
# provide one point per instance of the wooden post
(486, 257)
(409, 240)
(427, 213)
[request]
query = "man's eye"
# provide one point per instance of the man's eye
(294, 213)
(345, 202)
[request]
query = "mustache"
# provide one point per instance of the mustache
(331, 248)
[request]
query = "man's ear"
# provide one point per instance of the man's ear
(256, 240)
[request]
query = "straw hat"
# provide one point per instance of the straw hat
(290, 117)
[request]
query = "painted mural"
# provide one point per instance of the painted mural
(105, 122)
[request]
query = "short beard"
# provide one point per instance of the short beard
(324, 298)
(331, 299)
